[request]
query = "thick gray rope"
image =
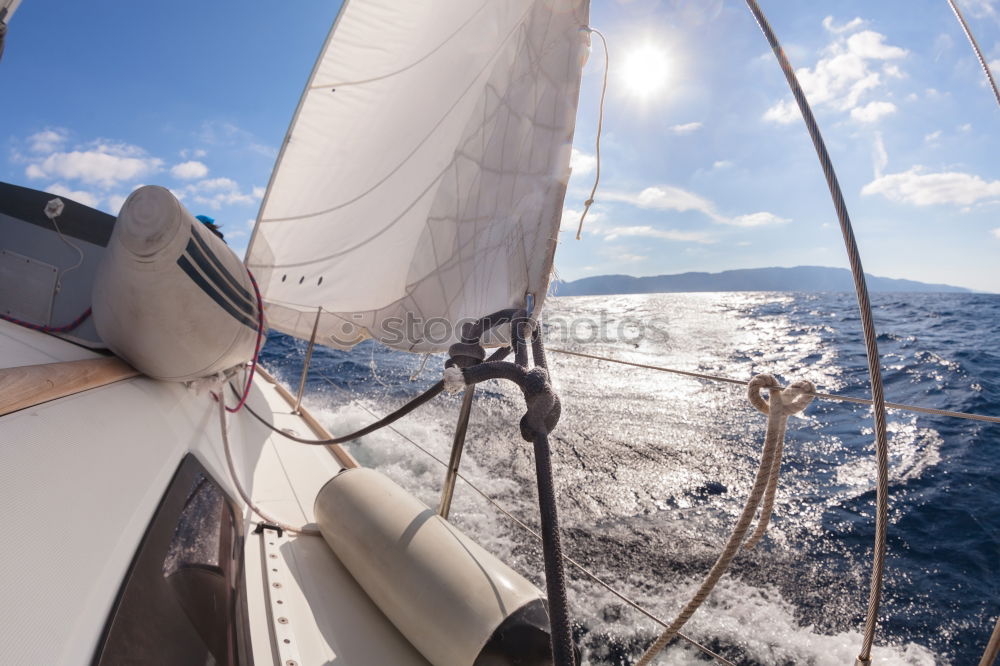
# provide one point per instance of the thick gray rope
(464, 368)
(868, 326)
(975, 47)
(781, 405)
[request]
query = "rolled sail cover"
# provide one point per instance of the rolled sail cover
(422, 179)
(170, 297)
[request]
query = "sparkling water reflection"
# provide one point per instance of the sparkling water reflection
(653, 468)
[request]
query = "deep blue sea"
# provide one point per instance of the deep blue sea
(652, 468)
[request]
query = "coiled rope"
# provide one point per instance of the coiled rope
(782, 403)
(868, 326)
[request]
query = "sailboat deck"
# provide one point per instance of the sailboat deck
(327, 617)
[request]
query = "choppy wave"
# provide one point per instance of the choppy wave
(653, 468)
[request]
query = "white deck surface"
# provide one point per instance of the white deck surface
(20, 346)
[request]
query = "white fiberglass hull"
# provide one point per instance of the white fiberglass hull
(82, 476)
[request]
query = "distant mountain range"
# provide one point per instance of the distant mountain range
(800, 278)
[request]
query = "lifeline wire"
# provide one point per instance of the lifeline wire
(868, 326)
(239, 486)
(597, 142)
(818, 394)
(975, 47)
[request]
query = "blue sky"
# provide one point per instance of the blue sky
(712, 171)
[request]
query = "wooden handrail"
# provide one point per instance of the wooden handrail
(30, 385)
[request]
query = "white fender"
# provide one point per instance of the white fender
(456, 603)
(170, 297)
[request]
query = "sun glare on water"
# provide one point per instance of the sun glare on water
(645, 70)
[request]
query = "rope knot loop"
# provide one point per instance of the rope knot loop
(543, 407)
(790, 400)
(465, 354)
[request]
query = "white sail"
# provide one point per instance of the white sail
(7, 9)
(422, 179)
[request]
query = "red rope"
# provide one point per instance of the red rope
(49, 329)
(256, 353)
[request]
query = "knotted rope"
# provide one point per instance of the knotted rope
(781, 404)
(466, 368)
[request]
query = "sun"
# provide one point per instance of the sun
(645, 70)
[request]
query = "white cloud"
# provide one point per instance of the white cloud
(880, 157)
(79, 196)
(571, 219)
(216, 184)
(257, 192)
(595, 224)
(981, 8)
(756, 220)
(784, 112)
(844, 74)
(103, 164)
(850, 26)
(893, 70)
(921, 188)
(218, 192)
(933, 136)
(664, 197)
(622, 255)
(686, 128)
(871, 45)
(115, 203)
(967, 127)
(613, 233)
(668, 197)
(580, 162)
(47, 141)
(996, 232)
(871, 112)
(722, 164)
(227, 134)
(189, 170)
(628, 257)
(192, 153)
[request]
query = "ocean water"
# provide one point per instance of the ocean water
(652, 468)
